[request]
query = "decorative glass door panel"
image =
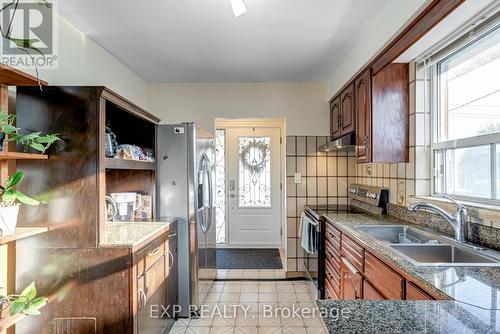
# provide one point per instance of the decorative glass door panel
(254, 172)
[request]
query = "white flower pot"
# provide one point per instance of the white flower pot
(8, 219)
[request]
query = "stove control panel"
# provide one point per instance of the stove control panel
(374, 196)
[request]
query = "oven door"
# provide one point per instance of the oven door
(314, 263)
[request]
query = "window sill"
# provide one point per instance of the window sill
(479, 213)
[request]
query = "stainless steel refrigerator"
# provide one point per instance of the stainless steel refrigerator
(185, 185)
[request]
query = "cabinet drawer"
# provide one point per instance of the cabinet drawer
(151, 253)
(333, 278)
(333, 235)
(332, 255)
(330, 292)
(370, 293)
(383, 278)
(413, 292)
(352, 252)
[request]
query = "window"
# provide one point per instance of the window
(220, 185)
(255, 172)
(466, 145)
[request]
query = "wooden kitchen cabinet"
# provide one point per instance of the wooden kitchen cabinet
(363, 94)
(347, 111)
(383, 278)
(351, 281)
(388, 138)
(370, 293)
(335, 117)
(413, 292)
(342, 113)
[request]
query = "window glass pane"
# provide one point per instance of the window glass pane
(439, 172)
(468, 171)
(255, 172)
(220, 186)
(470, 90)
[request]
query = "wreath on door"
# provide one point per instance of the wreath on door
(254, 156)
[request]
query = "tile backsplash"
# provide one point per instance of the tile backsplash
(324, 180)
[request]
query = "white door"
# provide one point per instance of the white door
(254, 204)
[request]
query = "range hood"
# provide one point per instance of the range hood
(344, 143)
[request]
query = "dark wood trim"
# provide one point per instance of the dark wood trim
(434, 13)
(129, 106)
(112, 163)
(428, 19)
(12, 77)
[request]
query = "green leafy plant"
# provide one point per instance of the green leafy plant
(34, 140)
(9, 195)
(27, 302)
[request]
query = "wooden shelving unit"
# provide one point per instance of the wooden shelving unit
(8, 157)
(11, 77)
(22, 232)
(22, 156)
(112, 163)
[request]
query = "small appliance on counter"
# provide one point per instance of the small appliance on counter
(362, 199)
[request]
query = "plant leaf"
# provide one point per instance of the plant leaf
(25, 199)
(14, 179)
(9, 196)
(30, 291)
(38, 303)
(26, 43)
(16, 306)
(38, 147)
(29, 137)
(48, 139)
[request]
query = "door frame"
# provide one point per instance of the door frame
(226, 123)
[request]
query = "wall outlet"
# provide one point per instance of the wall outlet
(297, 178)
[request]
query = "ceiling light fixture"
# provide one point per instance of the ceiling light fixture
(239, 7)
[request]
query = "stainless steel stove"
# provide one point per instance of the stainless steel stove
(362, 200)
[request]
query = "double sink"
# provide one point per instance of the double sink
(429, 249)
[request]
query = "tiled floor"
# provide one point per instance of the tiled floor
(255, 307)
(251, 273)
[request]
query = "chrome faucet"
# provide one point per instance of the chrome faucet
(458, 222)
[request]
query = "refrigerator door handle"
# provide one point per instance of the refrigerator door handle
(210, 195)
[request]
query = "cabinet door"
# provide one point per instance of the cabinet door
(172, 273)
(413, 292)
(390, 114)
(347, 114)
(370, 293)
(152, 294)
(363, 105)
(350, 281)
(335, 117)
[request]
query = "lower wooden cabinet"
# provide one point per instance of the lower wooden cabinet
(383, 278)
(351, 281)
(413, 292)
(370, 293)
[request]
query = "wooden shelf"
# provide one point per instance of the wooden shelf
(22, 156)
(8, 320)
(11, 77)
(22, 232)
(112, 163)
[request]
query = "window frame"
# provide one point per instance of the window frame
(492, 139)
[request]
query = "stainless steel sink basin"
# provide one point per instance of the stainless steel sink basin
(444, 255)
(397, 234)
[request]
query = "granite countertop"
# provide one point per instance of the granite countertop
(479, 286)
(132, 234)
(406, 317)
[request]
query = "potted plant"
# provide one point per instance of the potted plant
(33, 140)
(10, 200)
(27, 302)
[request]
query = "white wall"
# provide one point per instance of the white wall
(385, 26)
(302, 104)
(84, 62)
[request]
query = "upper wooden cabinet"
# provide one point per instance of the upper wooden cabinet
(347, 115)
(382, 114)
(389, 136)
(335, 117)
(363, 94)
(342, 114)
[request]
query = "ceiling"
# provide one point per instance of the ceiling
(201, 41)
